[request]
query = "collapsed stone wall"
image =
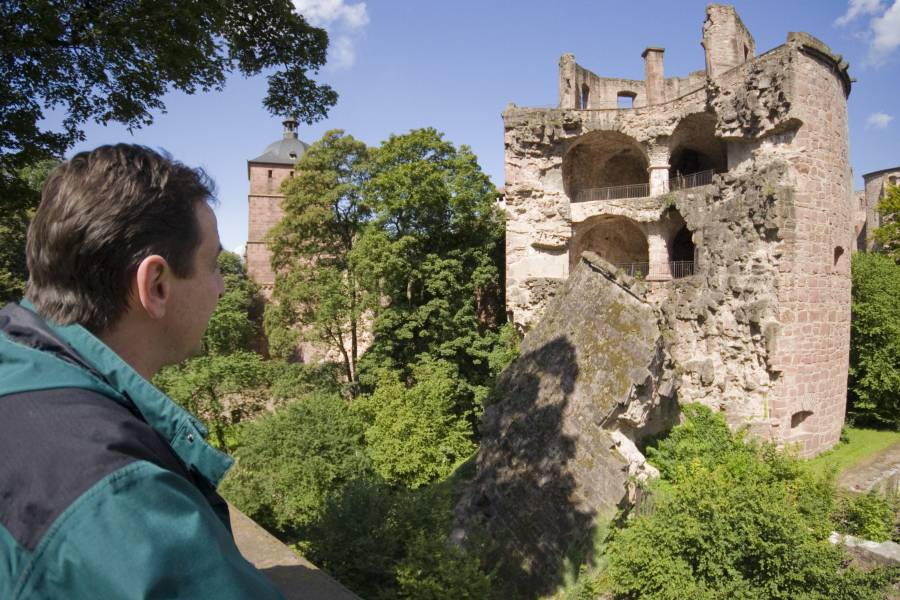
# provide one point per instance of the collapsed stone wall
(559, 446)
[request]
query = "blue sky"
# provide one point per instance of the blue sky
(399, 65)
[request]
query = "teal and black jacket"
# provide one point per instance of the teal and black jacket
(107, 487)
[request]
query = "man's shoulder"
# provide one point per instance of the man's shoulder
(59, 443)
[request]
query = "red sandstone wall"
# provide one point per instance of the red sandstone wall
(814, 284)
(265, 212)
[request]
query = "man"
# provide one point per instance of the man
(107, 487)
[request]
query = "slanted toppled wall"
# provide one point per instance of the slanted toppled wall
(559, 446)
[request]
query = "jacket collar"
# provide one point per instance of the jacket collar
(184, 432)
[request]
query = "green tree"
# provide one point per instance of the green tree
(113, 61)
(234, 325)
(291, 462)
(108, 61)
(414, 434)
(874, 386)
(432, 256)
(317, 287)
(16, 207)
(887, 237)
(222, 390)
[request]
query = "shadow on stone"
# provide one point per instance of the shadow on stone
(560, 443)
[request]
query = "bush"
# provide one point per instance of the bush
(874, 387)
(745, 521)
(871, 516)
(703, 436)
(385, 542)
(291, 462)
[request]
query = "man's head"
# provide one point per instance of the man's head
(124, 233)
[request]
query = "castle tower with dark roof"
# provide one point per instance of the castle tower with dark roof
(266, 172)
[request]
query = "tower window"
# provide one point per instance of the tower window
(270, 173)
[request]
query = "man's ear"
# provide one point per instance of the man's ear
(153, 282)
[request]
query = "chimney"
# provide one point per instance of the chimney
(653, 75)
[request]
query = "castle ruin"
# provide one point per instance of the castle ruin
(727, 194)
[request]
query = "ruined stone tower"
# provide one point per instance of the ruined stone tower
(266, 173)
(729, 192)
(876, 186)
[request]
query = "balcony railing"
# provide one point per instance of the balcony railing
(642, 270)
(616, 192)
(683, 182)
(642, 190)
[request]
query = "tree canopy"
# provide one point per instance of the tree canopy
(107, 61)
(318, 286)
(113, 61)
(874, 386)
(887, 237)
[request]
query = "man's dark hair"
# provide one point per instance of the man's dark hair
(101, 214)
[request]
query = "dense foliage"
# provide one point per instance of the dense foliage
(318, 292)
(733, 519)
(17, 203)
(403, 240)
(874, 386)
(887, 237)
(414, 434)
(108, 61)
(290, 463)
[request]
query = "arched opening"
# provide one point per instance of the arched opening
(585, 95)
(682, 253)
(694, 148)
(605, 165)
(618, 240)
(625, 99)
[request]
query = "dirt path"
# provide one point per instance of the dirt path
(880, 470)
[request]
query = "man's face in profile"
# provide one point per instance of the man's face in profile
(195, 297)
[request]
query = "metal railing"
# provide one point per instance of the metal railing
(638, 270)
(642, 190)
(681, 268)
(683, 182)
(616, 192)
(642, 270)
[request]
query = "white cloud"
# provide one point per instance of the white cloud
(327, 13)
(341, 53)
(878, 120)
(342, 20)
(858, 8)
(886, 34)
(239, 250)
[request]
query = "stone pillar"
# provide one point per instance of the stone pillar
(568, 87)
(659, 169)
(653, 75)
(658, 251)
(659, 179)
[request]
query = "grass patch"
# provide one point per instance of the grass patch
(860, 445)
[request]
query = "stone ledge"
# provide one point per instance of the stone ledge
(296, 577)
